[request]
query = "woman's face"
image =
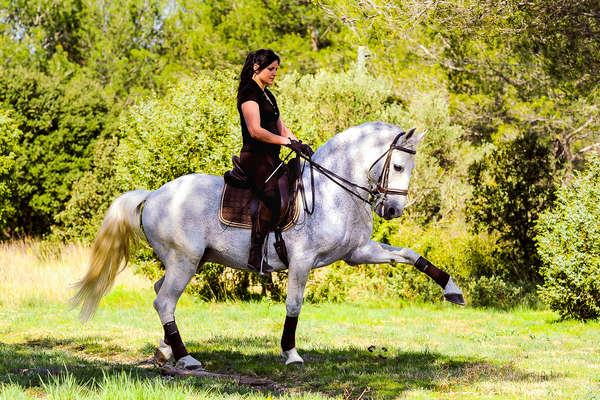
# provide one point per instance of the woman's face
(267, 75)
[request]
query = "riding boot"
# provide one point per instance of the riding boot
(260, 230)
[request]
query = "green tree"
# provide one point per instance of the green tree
(511, 187)
(59, 116)
(9, 137)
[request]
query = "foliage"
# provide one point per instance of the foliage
(194, 128)
(9, 137)
(511, 187)
(316, 107)
(91, 195)
(568, 242)
(100, 97)
(493, 291)
(59, 116)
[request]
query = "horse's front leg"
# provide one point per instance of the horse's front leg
(377, 253)
(297, 278)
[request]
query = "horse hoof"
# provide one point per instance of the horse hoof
(453, 294)
(292, 357)
(163, 353)
(455, 298)
(188, 362)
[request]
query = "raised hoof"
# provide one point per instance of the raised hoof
(455, 298)
(188, 362)
(292, 357)
(163, 353)
(453, 294)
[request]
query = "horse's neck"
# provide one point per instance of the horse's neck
(351, 153)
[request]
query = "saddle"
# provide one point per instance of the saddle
(238, 202)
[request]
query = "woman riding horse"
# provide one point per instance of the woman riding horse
(263, 133)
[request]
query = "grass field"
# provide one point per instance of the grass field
(418, 351)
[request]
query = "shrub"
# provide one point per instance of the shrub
(568, 242)
(494, 292)
(316, 107)
(194, 128)
(90, 197)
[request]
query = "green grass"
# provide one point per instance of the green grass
(437, 351)
(431, 351)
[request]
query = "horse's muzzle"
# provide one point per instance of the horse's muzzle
(389, 211)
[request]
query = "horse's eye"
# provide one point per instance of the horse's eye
(398, 168)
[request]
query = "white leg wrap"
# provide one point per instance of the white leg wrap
(292, 357)
(188, 362)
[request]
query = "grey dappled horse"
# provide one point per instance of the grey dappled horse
(180, 221)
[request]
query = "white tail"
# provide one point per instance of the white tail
(110, 251)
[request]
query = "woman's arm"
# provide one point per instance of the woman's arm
(252, 117)
(284, 130)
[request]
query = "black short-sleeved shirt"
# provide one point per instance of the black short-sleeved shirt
(269, 114)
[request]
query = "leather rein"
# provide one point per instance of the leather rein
(378, 191)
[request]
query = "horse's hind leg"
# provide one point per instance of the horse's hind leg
(179, 271)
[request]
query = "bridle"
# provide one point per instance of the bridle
(381, 186)
(376, 193)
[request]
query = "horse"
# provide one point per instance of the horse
(180, 222)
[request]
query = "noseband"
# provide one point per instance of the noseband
(376, 193)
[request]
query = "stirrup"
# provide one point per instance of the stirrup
(264, 269)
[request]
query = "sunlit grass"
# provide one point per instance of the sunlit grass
(35, 272)
(387, 350)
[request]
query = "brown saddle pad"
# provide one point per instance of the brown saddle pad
(234, 209)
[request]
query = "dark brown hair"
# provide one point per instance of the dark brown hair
(262, 57)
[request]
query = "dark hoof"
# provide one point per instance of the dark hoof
(455, 298)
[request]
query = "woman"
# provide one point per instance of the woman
(263, 134)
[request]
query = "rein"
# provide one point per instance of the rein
(375, 195)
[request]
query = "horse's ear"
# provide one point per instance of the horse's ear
(420, 136)
(410, 133)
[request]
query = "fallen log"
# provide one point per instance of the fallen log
(261, 383)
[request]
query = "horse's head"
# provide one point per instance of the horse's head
(390, 175)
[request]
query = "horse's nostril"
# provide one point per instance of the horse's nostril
(392, 211)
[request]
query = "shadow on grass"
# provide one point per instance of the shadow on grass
(333, 371)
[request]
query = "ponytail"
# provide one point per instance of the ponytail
(263, 58)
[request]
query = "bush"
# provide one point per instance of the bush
(90, 197)
(194, 128)
(494, 292)
(316, 107)
(568, 242)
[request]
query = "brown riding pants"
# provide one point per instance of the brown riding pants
(258, 167)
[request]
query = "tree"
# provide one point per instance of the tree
(60, 116)
(9, 137)
(511, 187)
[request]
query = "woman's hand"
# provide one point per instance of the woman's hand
(300, 148)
